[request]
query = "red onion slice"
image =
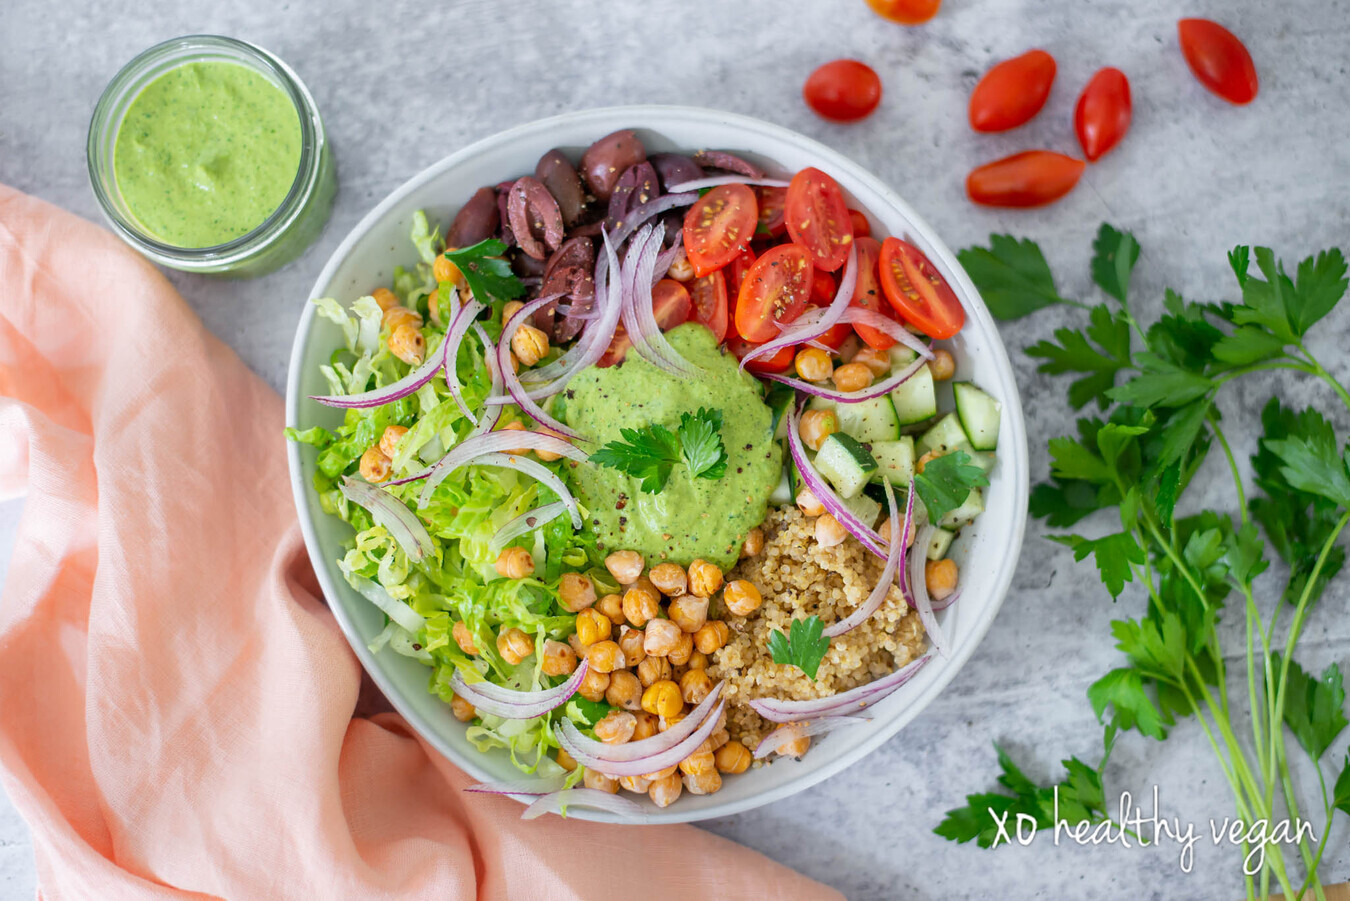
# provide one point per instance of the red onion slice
(915, 587)
(825, 494)
(493, 442)
(389, 393)
(666, 258)
(513, 386)
(790, 732)
(889, 327)
(638, 317)
(454, 336)
(388, 511)
(849, 702)
(947, 601)
(538, 472)
(491, 415)
(699, 184)
(896, 543)
(817, 325)
(720, 159)
(510, 704)
(526, 522)
(601, 757)
(584, 797)
(885, 386)
(542, 785)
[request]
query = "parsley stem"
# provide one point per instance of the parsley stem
(1232, 464)
(1321, 847)
(1253, 616)
(1317, 369)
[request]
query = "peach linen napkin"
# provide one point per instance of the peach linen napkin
(176, 701)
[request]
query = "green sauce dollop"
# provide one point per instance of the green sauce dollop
(690, 518)
(206, 152)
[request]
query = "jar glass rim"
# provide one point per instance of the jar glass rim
(151, 64)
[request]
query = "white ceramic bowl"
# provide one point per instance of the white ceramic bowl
(987, 550)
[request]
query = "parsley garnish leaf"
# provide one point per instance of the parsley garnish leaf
(1115, 255)
(649, 455)
(1110, 333)
(803, 647)
(1113, 553)
(489, 275)
(701, 440)
(946, 482)
(1012, 276)
(1314, 709)
(1312, 464)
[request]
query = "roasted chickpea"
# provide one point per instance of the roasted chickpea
(406, 343)
(940, 578)
(514, 563)
(713, 636)
(808, 503)
(816, 426)
(462, 709)
(605, 656)
(529, 344)
(695, 685)
(631, 642)
(653, 669)
(884, 530)
(445, 271)
(670, 579)
(754, 542)
(385, 298)
(795, 748)
(400, 315)
(699, 761)
(600, 782)
(665, 792)
(660, 637)
(942, 366)
(680, 268)
(828, 531)
(464, 638)
(697, 660)
(661, 774)
(615, 727)
(594, 685)
(389, 440)
(625, 691)
(719, 738)
(575, 644)
(638, 784)
(683, 650)
(611, 605)
(741, 597)
(814, 364)
(640, 604)
(374, 465)
(733, 757)
(704, 578)
(559, 660)
(565, 760)
(625, 566)
(576, 592)
(703, 783)
(665, 722)
(852, 377)
(646, 725)
(592, 626)
(663, 698)
(689, 612)
(878, 361)
(514, 645)
(509, 309)
(922, 463)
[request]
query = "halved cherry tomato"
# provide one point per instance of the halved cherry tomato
(867, 293)
(1012, 92)
(737, 269)
(861, 227)
(775, 290)
(906, 12)
(1218, 59)
(843, 91)
(817, 218)
(778, 361)
(671, 306)
(709, 298)
(1103, 113)
(822, 288)
(1029, 178)
(719, 225)
(918, 291)
(771, 211)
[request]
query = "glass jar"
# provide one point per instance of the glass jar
(287, 231)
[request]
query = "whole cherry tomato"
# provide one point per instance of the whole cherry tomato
(1103, 113)
(906, 12)
(843, 91)
(1012, 92)
(1218, 59)
(1029, 178)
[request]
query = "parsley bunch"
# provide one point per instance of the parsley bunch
(1155, 387)
(650, 453)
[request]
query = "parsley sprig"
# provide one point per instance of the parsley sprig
(803, 647)
(487, 272)
(649, 454)
(1155, 385)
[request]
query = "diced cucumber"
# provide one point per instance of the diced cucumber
(895, 461)
(869, 420)
(783, 494)
(983, 459)
(779, 401)
(966, 513)
(845, 464)
(979, 415)
(902, 356)
(946, 435)
(820, 403)
(865, 508)
(915, 399)
(940, 543)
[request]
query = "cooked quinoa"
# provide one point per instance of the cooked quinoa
(798, 577)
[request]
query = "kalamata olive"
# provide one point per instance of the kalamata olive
(635, 187)
(531, 208)
(720, 159)
(558, 174)
(526, 266)
(571, 272)
(675, 168)
(604, 161)
(506, 234)
(476, 221)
